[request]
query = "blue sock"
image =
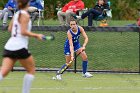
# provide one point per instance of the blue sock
(62, 69)
(84, 65)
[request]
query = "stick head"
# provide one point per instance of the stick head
(51, 37)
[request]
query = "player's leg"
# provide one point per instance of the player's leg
(84, 63)
(7, 65)
(84, 59)
(67, 57)
(29, 65)
(64, 67)
(83, 56)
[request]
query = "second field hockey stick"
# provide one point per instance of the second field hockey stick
(51, 37)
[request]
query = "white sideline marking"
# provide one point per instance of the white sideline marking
(49, 78)
(47, 88)
(85, 88)
(16, 88)
(89, 88)
(85, 80)
(112, 88)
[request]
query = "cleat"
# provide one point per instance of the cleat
(87, 74)
(58, 77)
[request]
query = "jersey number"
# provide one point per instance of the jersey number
(75, 39)
(15, 34)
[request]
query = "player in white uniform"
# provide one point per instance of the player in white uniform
(16, 47)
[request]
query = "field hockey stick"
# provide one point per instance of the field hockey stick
(75, 60)
(51, 37)
(66, 65)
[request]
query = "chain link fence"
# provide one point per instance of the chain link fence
(107, 51)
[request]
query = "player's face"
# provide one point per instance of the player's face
(73, 25)
(76, 0)
(101, 2)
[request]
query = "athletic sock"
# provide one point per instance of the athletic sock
(1, 77)
(84, 65)
(27, 81)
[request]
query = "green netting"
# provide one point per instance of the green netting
(111, 51)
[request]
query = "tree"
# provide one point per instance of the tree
(121, 9)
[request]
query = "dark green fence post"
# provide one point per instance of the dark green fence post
(75, 63)
(139, 51)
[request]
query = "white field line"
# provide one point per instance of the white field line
(112, 88)
(85, 88)
(75, 79)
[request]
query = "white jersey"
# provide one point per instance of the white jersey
(17, 40)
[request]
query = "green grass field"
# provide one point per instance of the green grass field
(113, 51)
(73, 83)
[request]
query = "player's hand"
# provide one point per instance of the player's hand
(72, 58)
(39, 36)
(83, 48)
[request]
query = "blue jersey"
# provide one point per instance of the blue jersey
(11, 3)
(75, 40)
(36, 4)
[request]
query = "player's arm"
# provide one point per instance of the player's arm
(10, 25)
(85, 37)
(71, 45)
(23, 20)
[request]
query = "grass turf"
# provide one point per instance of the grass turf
(73, 83)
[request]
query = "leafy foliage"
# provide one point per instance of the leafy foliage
(121, 9)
